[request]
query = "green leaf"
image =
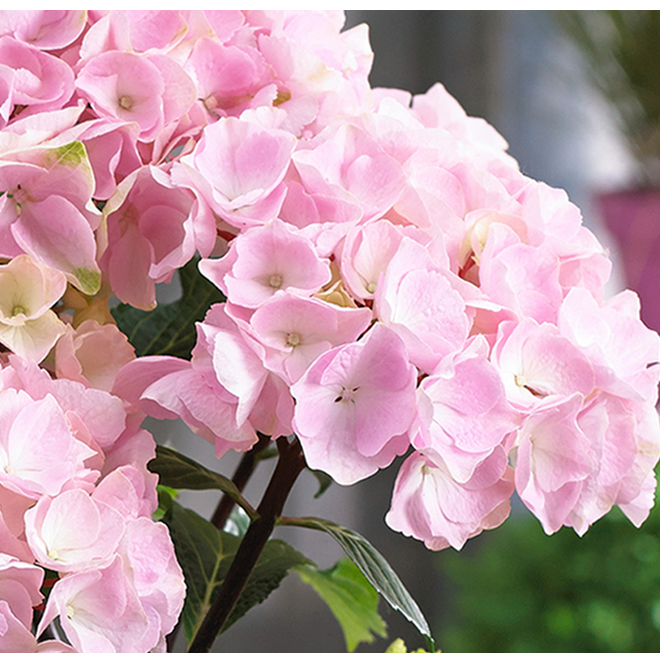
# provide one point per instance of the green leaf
(166, 496)
(373, 566)
(170, 328)
(276, 560)
(353, 601)
(180, 472)
(325, 481)
(205, 555)
(200, 550)
(237, 523)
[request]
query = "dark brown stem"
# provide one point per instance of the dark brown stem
(289, 466)
(240, 477)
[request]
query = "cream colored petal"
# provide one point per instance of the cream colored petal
(34, 338)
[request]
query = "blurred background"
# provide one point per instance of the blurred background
(534, 76)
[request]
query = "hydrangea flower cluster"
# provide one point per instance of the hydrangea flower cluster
(394, 286)
(76, 503)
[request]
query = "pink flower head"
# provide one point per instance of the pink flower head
(238, 166)
(349, 166)
(20, 583)
(112, 150)
(92, 354)
(236, 358)
(15, 636)
(424, 304)
(536, 362)
(470, 414)
(157, 577)
(150, 235)
(226, 76)
(99, 611)
(73, 531)
(365, 255)
(166, 388)
(38, 453)
(523, 278)
(297, 330)
(43, 82)
(46, 211)
(355, 405)
(554, 458)
(129, 491)
(155, 29)
(150, 91)
(624, 352)
(265, 260)
(430, 505)
(43, 29)
(625, 436)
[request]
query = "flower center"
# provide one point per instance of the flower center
(293, 339)
(282, 97)
(17, 310)
(371, 287)
(347, 394)
(275, 281)
(519, 380)
(19, 195)
(125, 102)
(211, 103)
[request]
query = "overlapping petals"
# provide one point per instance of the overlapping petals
(394, 285)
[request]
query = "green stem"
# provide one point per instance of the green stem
(289, 466)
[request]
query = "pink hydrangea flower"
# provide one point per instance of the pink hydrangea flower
(99, 611)
(464, 413)
(73, 532)
(295, 331)
(92, 354)
(39, 455)
(266, 260)
(355, 406)
(43, 29)
(151, 233)
(46, 211)
(150, 90)
(238, 167)
(430, 505)
(45, 82)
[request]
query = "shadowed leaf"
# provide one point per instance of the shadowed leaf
(205, 555)
(170, 328)
(180, 472)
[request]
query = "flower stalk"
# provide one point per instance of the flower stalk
(290, 464)
(240, 478)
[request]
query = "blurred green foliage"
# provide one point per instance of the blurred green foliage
(622, 49)
(518, 590)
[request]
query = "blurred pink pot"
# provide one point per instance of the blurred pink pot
(633, 219)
